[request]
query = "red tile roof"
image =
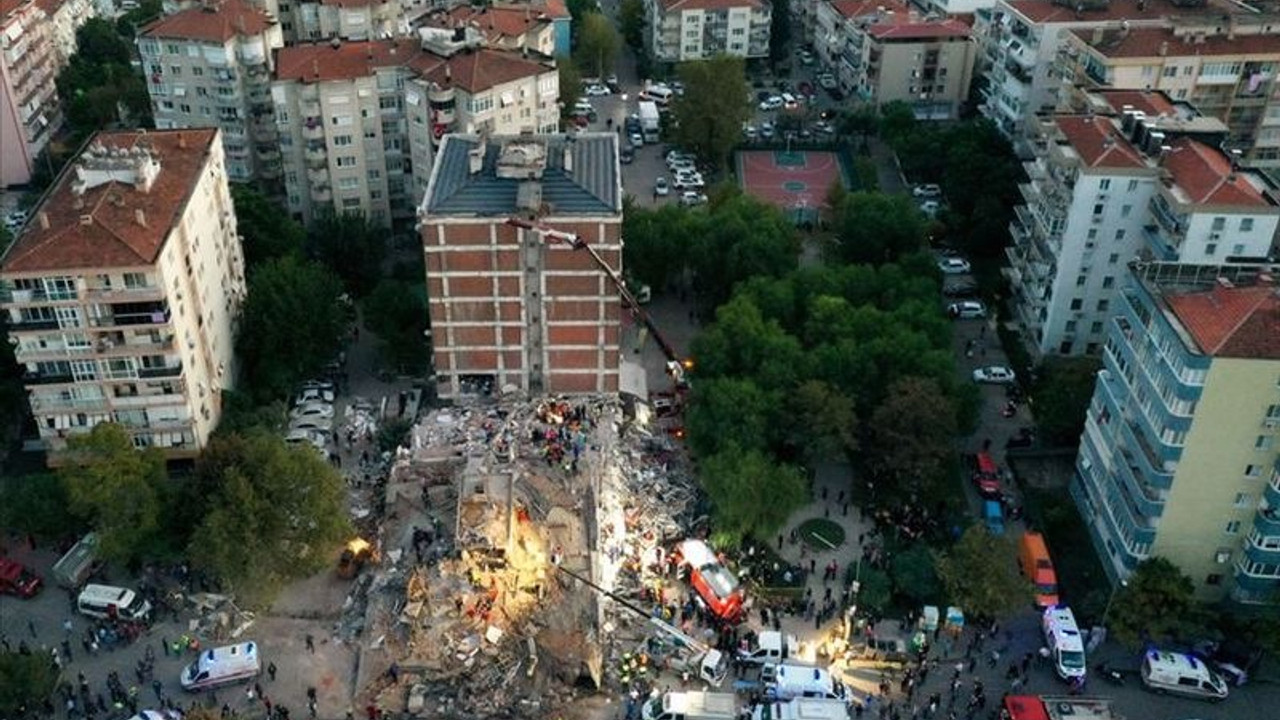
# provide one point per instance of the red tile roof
(100, 228)
(478, 70)
(1098, 142)
(1044, 11)
(473, 71)
(1206, 176)
(8, 7)
(497, 21)
(909, 29)
(862, 8)
(673, 5)
(1231, 322)
(211, 23)
(353, 3)
(1147, 101)
(317, 62)
(1158, 42)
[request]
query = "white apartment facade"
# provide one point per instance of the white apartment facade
(343, 19)
(210, 66)
(122, 292)
(67, 16)
(681, 30)
(30, 113)
(358, 121)
(1105, 190)
(1021, 41)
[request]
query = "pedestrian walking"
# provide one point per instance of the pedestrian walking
(311, 644)
(158, 688)
(164, 643)
(31, 627)
(271, 671)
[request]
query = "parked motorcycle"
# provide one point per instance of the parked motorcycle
(1110, 674)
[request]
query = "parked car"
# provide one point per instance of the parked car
(766, 130)
(682, 165)
(930, 207)
(627, 154)
(636, 139)
(773, 102)
(827, 81)
(322, 424)
(309, 395)
(690, 198)
(312, 409)
(300, 436)
(597, 91)
(954, 266)
(689, 181)
(15, 219)
(660, 187)
(927, 190)
(17, 579)
(967, 310)
(994, 375)
(960, 289)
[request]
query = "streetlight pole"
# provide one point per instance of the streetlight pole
(1112, 598)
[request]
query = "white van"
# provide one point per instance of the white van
(106, 601)
(660, 94)
(1181, 674)
(222, 666)
(802, 709)
(1066, 646)
(691, 706)
(788, 681)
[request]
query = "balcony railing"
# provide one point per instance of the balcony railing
(47, 378)
(160, 372)
(158, 317)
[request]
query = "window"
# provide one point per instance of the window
(1077, 303)
(1213, 579)
(342, 140)
(1232, 527)
(1113, 258)
(1104, 184)
(374, 174)
(348, 183)
(1097, 209)
(1120, 234)
(340, 120)
(1071, 326)
(1065, 347)
(1081, 280)
(1273, 412)
(1252, 471)
(1133, 185)
(347, 161)
(1108, 282)
(1246, 224)
(135, 280)
(1125, 210)
(481, 104)
(351, 202)
(175, 70)
(1264, 442)
(1219, 223)
(1211, 249)
(1171, 71)
(1243, 500)
(1093, 233)
(1095, 328)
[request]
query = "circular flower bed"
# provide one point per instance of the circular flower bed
(821, 533)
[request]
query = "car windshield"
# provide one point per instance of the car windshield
(722, 582)
(1072, 659)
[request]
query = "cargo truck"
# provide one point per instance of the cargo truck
(650, 122)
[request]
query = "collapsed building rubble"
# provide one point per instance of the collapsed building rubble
(512, 536)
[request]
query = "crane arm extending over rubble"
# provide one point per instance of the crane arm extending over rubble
(676, 366)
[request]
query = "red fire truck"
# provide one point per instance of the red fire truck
(716, 584)
(1058, 707)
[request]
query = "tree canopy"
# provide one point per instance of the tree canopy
(26, 681)
(597, 44)
(631, 20)
(876, 228)
(750, 493)
(1157, 605)
(779, 30)
(396, 311)
(350, 246)
(292, 324)
(980, 574)
(98, 80)
(1062, 392)
(715, 105)
(912, 434)
(570, 81)
(117, 488)
(266, 231)
(275, 512)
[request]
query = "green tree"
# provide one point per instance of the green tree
(26, 681)
(396, 311)
(779, 30)
(99, 81)
(728, 412)
(277, 513)
(875, 591)
(739, 239)
(1062, 392)
(118, 489)
(876, 228)
(266, 230)
(37, 504)
(911, 434)
(915, 576)
(897, 120)
(350, 246)
(742, 343)
(570, 82)
(598, 45)
(862, 123)
(750, 494)
(715, 104)
(291, 325)
(822, 422)
(1157, 605)
(980, 574)
(127, 24)
(656, 249)
(631, 19)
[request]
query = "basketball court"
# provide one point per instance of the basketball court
(794, 181)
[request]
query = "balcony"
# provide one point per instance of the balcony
(1271, 493)
(1160, 245)
(148, 373)
(125, 294)
(1267, 520)
(37, 295)
(321, 193)
(1258, 548)
(134, 314)
(52, 378)
(32, 325)
(1253, 587)
(119, 343)
(313, 129)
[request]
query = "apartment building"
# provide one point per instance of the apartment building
(67, 16)
(30, 113)
(1179, 454)
(1021, 41)
(887, 52)
(682, 30)
(1104, 189)
(344, 19)
(1226, 70)
(517, 308)
(121, 293)
(358, 121)
(536, 27)
(210, 65)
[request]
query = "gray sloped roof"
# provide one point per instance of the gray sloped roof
(591, 188)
